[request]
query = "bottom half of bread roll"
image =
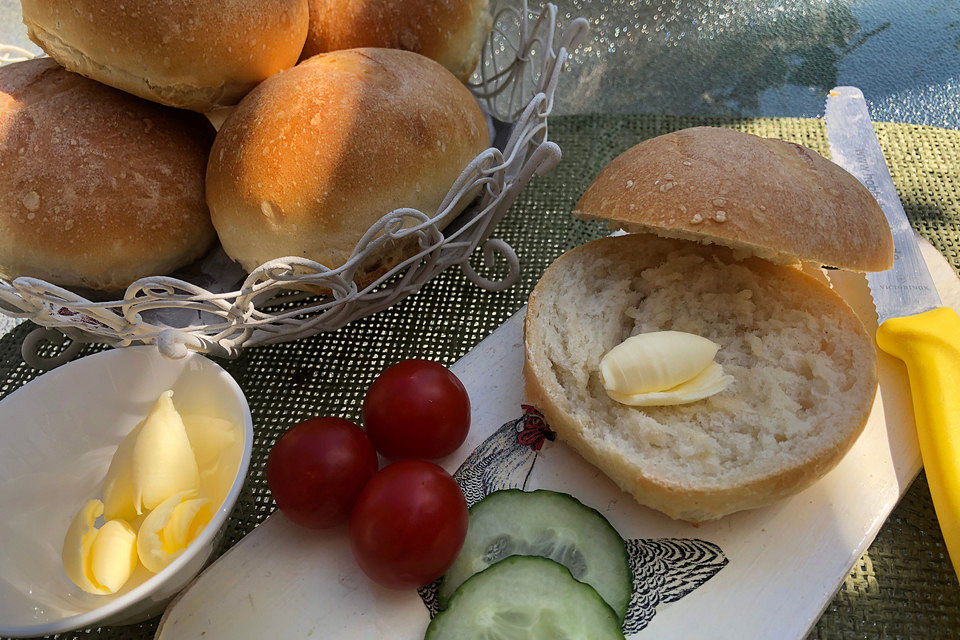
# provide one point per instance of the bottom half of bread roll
(804, 371)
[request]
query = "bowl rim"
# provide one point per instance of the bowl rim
(210, 531)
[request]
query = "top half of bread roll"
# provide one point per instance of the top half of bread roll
(451, 32)
(774, 199)
(193, 54)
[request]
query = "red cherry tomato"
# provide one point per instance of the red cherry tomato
(408, 524)
(416, 409)
(317, 469)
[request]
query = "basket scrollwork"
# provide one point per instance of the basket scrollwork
(515, 83)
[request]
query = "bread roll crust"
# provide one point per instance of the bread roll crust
(318, 153)
(193, 54)
(97, 187)
(599, 432)
(775, 199)
(452, 32)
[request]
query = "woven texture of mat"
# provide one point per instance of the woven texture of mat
(903, 587)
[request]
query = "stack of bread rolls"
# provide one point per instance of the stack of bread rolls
(108, 172)
(719, 222)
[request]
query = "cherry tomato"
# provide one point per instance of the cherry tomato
(317, 469)
(408, 524)
(416, 409)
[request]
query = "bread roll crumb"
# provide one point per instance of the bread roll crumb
(804, 372)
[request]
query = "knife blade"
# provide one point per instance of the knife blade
(907, 288)
(912, 325)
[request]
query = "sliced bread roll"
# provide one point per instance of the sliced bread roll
(804, 372)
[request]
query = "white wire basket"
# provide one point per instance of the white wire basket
(515, 83)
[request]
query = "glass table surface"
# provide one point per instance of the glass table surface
(748, 57)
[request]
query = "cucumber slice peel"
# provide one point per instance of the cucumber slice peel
(525, 598)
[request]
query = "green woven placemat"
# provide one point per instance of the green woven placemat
(903, 587)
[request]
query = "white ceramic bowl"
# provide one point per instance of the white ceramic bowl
(57, 436)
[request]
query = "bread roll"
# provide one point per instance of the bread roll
(774, 199)
(452, 32)
(97, 187)
(316, 154)
(193, 54)
(804, 372)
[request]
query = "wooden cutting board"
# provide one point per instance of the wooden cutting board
(766, 573)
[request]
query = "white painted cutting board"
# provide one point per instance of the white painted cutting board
(766, 573)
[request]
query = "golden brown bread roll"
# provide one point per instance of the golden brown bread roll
(193, 54)
(775, 199)
(97, 187)
(451, 32)
(316, 154)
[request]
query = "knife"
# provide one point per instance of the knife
(914, 327)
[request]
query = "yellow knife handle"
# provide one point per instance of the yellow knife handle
(929, 344)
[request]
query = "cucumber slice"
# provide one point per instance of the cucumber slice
(525, 598)
(548, 524)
